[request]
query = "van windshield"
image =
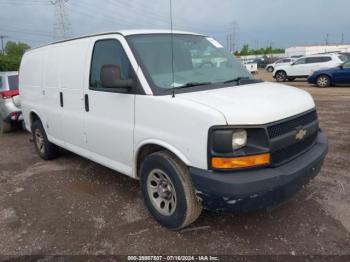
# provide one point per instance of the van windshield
(197, 59)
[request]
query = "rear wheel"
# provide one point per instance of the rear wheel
(44, 147)
(323, 81)
(270, 69)
(281, 76)
(168, 191)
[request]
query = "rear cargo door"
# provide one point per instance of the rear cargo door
(72, 70)
(51, 88)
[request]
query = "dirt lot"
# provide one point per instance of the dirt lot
(74, 206)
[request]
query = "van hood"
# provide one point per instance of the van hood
(254, 104)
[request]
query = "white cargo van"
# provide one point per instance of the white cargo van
(158, 107)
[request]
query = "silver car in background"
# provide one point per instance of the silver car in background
(10, 108)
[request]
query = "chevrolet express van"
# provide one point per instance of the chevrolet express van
(179, 113)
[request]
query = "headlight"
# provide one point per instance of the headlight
(239, 139)
(232, 148)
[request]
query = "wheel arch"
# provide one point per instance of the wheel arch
(281, 70)
(33, 116)
(148, 147)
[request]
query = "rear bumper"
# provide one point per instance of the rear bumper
(9, 112)
(244, 191)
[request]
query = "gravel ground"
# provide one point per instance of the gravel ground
(74, 206)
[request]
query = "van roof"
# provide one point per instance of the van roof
(123, 33)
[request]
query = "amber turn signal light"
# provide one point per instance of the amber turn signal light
(240, 162)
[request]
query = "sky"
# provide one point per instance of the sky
(259, 23)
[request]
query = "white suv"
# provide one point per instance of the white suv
(305, 66)
(196, 132)
(10, 112)
(279, 62)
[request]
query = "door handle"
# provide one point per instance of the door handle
(87, 108)
(61, 99)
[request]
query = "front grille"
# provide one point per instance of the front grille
(285, 127)
(284, 133)
(293, 150)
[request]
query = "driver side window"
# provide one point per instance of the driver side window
(300, 61)
(108, 52)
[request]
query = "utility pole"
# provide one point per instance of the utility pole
(62, 27)
(231, 37)
(2, 37)
(342, 38)
(234, 35)
(327, 39)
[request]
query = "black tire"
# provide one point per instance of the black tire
(323, 81)
(281, 76)
(43, 146)
(270, 69)
(187, 208)
(291, 79)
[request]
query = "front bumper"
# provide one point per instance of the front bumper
(311, 79)
(244, 191)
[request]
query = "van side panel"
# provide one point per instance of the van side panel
(30, 81)
(51, 84)
(73, 61)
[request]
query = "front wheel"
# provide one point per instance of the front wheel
(168, 191)
(270, 69)
(323, 81)
(281, 76)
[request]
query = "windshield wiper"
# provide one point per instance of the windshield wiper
(238, 80)
(192, 84)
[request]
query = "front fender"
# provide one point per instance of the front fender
(163, 144)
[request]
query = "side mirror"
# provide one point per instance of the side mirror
(111, 77)
(341, 67)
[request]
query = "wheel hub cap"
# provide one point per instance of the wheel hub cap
(322, 81)
(39, 140)
(164, 190)
(161, 192)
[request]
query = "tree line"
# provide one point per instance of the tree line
(10, 59)
(246, 50)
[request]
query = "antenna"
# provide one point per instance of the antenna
(172, 46)
(62, 27)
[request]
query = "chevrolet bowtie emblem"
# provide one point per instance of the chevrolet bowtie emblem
(301, 134)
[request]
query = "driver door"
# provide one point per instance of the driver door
(342, 75)
(110, 111)
(298, 68)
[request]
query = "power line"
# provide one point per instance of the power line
(46, 35)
